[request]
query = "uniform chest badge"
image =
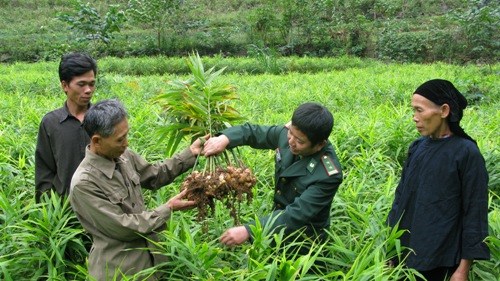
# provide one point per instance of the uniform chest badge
(329, 166)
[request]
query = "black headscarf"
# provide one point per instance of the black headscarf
(441, 91)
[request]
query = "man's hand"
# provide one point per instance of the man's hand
(177, 203)
(197, 146)
(215, 145)
(234, 236)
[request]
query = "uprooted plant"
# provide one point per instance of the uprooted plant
(197, 107)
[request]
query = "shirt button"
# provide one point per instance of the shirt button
(278, 192)
(283, 180)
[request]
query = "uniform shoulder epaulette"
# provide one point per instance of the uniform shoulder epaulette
(329, 165)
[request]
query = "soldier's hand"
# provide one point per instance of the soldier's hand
(215, 145)
(234, 236)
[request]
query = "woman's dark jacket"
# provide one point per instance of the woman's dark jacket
(442, 200)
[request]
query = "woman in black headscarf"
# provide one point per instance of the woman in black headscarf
(442, 197)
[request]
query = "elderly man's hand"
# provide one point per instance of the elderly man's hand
(178, 203)
(197, 146)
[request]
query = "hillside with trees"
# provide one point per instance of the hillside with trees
(455, 31)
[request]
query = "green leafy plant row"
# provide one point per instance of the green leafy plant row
(372, 130)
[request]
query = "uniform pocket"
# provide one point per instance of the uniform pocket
(296, 189)
(135, 179)
(117, 196)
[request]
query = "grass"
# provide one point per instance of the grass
(372, 130)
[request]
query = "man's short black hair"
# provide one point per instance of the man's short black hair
(314, 120)
(75, 64)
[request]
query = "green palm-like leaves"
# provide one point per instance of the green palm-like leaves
(196, 106)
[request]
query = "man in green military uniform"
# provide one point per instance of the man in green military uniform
(307, 171)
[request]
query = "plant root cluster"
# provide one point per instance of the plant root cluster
(231, 185)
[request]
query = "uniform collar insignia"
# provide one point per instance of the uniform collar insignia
(312, 165)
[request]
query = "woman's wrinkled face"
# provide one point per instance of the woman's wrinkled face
(429, 118)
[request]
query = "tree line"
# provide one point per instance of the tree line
(455, 31)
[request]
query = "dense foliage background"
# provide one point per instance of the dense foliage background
(360, 58)
(455, 31)
(373, 128)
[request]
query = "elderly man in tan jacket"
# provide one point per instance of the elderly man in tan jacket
(106, 195)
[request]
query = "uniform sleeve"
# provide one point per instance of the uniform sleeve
(45, 166)
(302, 211)
(260, 137)
(154, 176)
(93, 206)
(474, 178)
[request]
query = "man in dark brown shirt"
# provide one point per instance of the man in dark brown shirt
(61, 139)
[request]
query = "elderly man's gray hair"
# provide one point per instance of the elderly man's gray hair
(102, 117)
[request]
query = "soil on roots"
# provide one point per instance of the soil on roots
(231, 185)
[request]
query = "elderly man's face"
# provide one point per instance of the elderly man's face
(113, 146)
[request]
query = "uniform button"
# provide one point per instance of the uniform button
(283, 180)
(278, 192)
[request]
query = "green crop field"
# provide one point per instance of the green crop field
(373, 127)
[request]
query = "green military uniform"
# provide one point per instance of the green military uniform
(304, 188)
